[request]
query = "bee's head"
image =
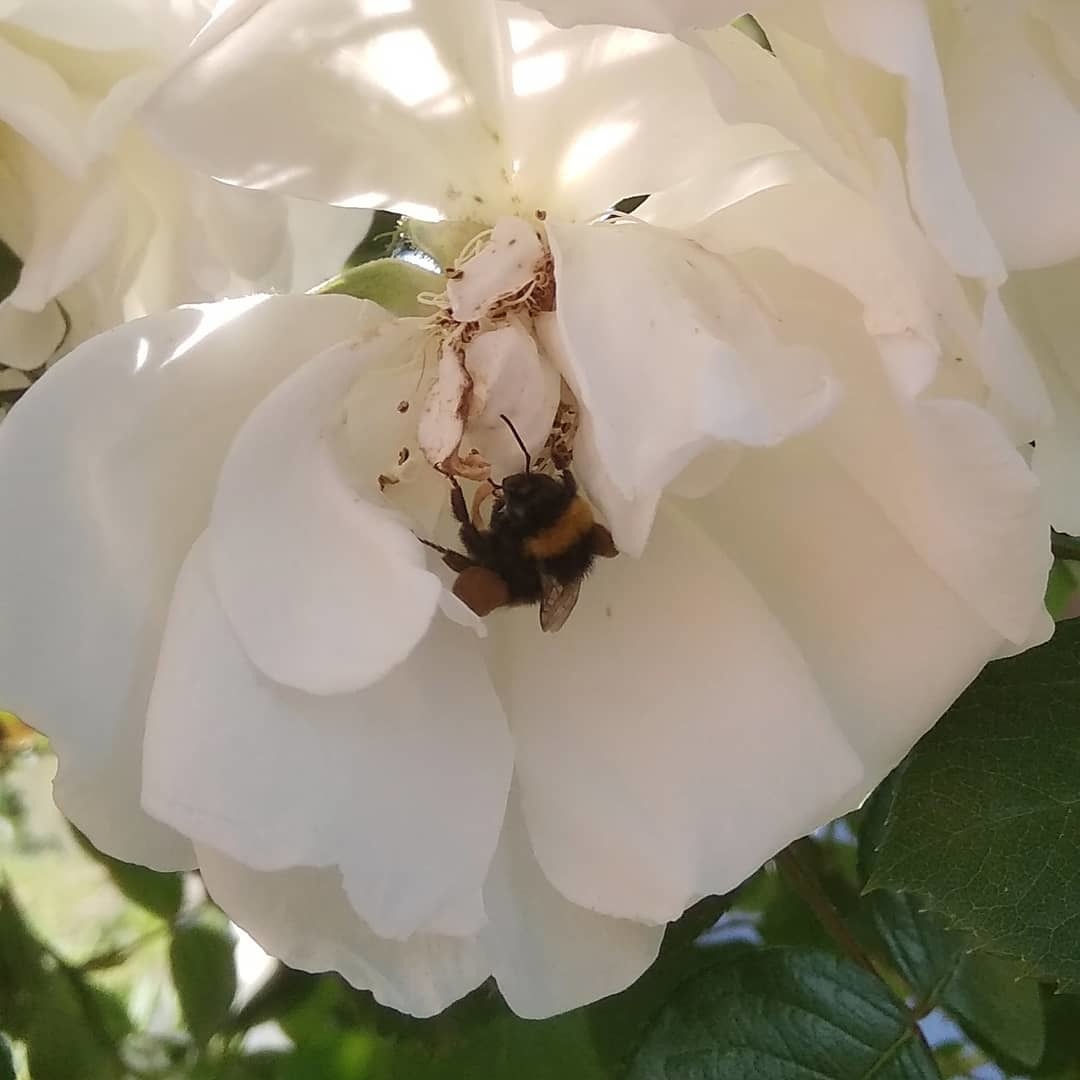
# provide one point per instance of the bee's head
(531, 499)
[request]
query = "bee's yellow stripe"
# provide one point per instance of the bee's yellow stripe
(575, 522)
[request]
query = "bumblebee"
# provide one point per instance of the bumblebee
(539, 546)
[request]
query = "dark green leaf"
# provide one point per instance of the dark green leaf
(875, 817)
(201, 958)
(392, 283)
(284, 991)
(684, 931)
(1000, 1009)
(985, 826)
(784, 1014)
(1062, 1058)
(10, 269)
(160, 893)
(507, 1048)
(7, 1060)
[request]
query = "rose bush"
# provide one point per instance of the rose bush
(266, 675)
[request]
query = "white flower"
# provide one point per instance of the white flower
(247, 661)
(103, 227)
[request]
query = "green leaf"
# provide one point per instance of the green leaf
(284, 991)
(392, 283)
(784, 1014)
(70, 1027)
(984, 823)
(7, 1059)
(507, 1048)
(160, 893)
(201, 958)
(10, 269)
(1062, 1058)
(875, 818)
(1000, 1010)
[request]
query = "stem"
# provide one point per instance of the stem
(1064, 546)
(803, 880)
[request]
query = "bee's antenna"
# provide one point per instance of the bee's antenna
(517, 438)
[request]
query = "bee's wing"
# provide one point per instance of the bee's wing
(557, 602)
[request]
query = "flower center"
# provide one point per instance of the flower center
(490, 365)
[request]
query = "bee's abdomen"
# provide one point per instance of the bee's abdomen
(567, 532)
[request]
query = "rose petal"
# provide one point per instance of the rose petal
(326, 589)
(525, 118)
(891, 640)
(107, 467)
(28, 339)
(548, 955)
(660, 15)
(1024, 174)
(943, 472)
(692, 360)
(895, 36)
(1044, 304)
(304, 917)
(670, 737)
(38, 105)
(402, 786)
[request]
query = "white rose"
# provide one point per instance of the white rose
(96, 225)
(248, 663)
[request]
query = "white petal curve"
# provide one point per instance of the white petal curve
(107, 468)
(896, 36)
(402, 786)
(38, 105)
(303, 916)
(516, 117)
(28, 339)
(665, 16)
(692, 360)
(890, 641)
(547, 954)
(326, 589)
(684, 740)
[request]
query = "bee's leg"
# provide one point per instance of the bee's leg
(453, 559)
(569, 483)
(474, 540)
(457, 503)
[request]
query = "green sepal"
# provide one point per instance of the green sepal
(391, 283)
(442, 240)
